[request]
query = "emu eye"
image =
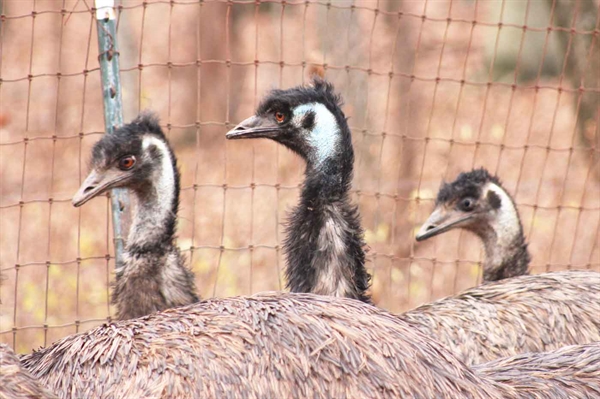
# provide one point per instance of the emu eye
(467, 204)
(126, 162)
(279, 117)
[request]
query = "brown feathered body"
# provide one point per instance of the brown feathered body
(15, 381)
(270, 345)
(570, 372)
(275, 345)
(516, 315)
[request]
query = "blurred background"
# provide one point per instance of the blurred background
(432, 88)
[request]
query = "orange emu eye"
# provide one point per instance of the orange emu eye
(279, 117)
(126, 162)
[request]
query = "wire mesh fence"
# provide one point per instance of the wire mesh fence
(432, 88)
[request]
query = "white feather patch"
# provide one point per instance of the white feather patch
(324, 136)
(151, 214)
(332, 273)
(165, 175)
(506, 222)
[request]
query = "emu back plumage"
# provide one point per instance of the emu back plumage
(521, 314)
(270, 345)
(570, 372)
(17, 382)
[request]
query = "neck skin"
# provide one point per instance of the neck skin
(153, 276)
(153, 225)
(324, 244)
(504, 242)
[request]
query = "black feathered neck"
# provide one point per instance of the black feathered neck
(324, 243)
(324, 249)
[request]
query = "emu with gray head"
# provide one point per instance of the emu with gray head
(519, 313)
(153, 275)
(477, 202)
(324, 244)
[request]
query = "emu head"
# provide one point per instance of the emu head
(306, 119)
(475, 201)
(127, 158)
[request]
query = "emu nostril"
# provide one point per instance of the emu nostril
(431, 227)
(88, 189)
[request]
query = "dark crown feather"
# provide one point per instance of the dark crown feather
(127, 139)
(319, 91)
(466, 184)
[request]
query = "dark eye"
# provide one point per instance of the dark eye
(126, 162)
(279, 117)
(467, 204)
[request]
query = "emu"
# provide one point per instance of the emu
(513, 316)
(152, 275)
(325, 245)
(477, 202)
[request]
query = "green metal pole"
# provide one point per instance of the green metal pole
(113, 110)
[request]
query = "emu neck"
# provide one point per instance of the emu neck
(505, 258)
(152, 230)
(153, 275)
(153, 225)
(324, 244)
(504, 243)
(150, 225)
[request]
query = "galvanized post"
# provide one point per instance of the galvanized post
(113, 110)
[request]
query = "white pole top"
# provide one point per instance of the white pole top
(105, 9)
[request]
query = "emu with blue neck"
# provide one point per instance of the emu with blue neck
(324, 244)
(153, 275)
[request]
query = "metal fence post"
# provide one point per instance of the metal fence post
(113, 109)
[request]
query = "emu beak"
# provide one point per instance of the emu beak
(254, 127)
(440, 221)
(96, 184)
